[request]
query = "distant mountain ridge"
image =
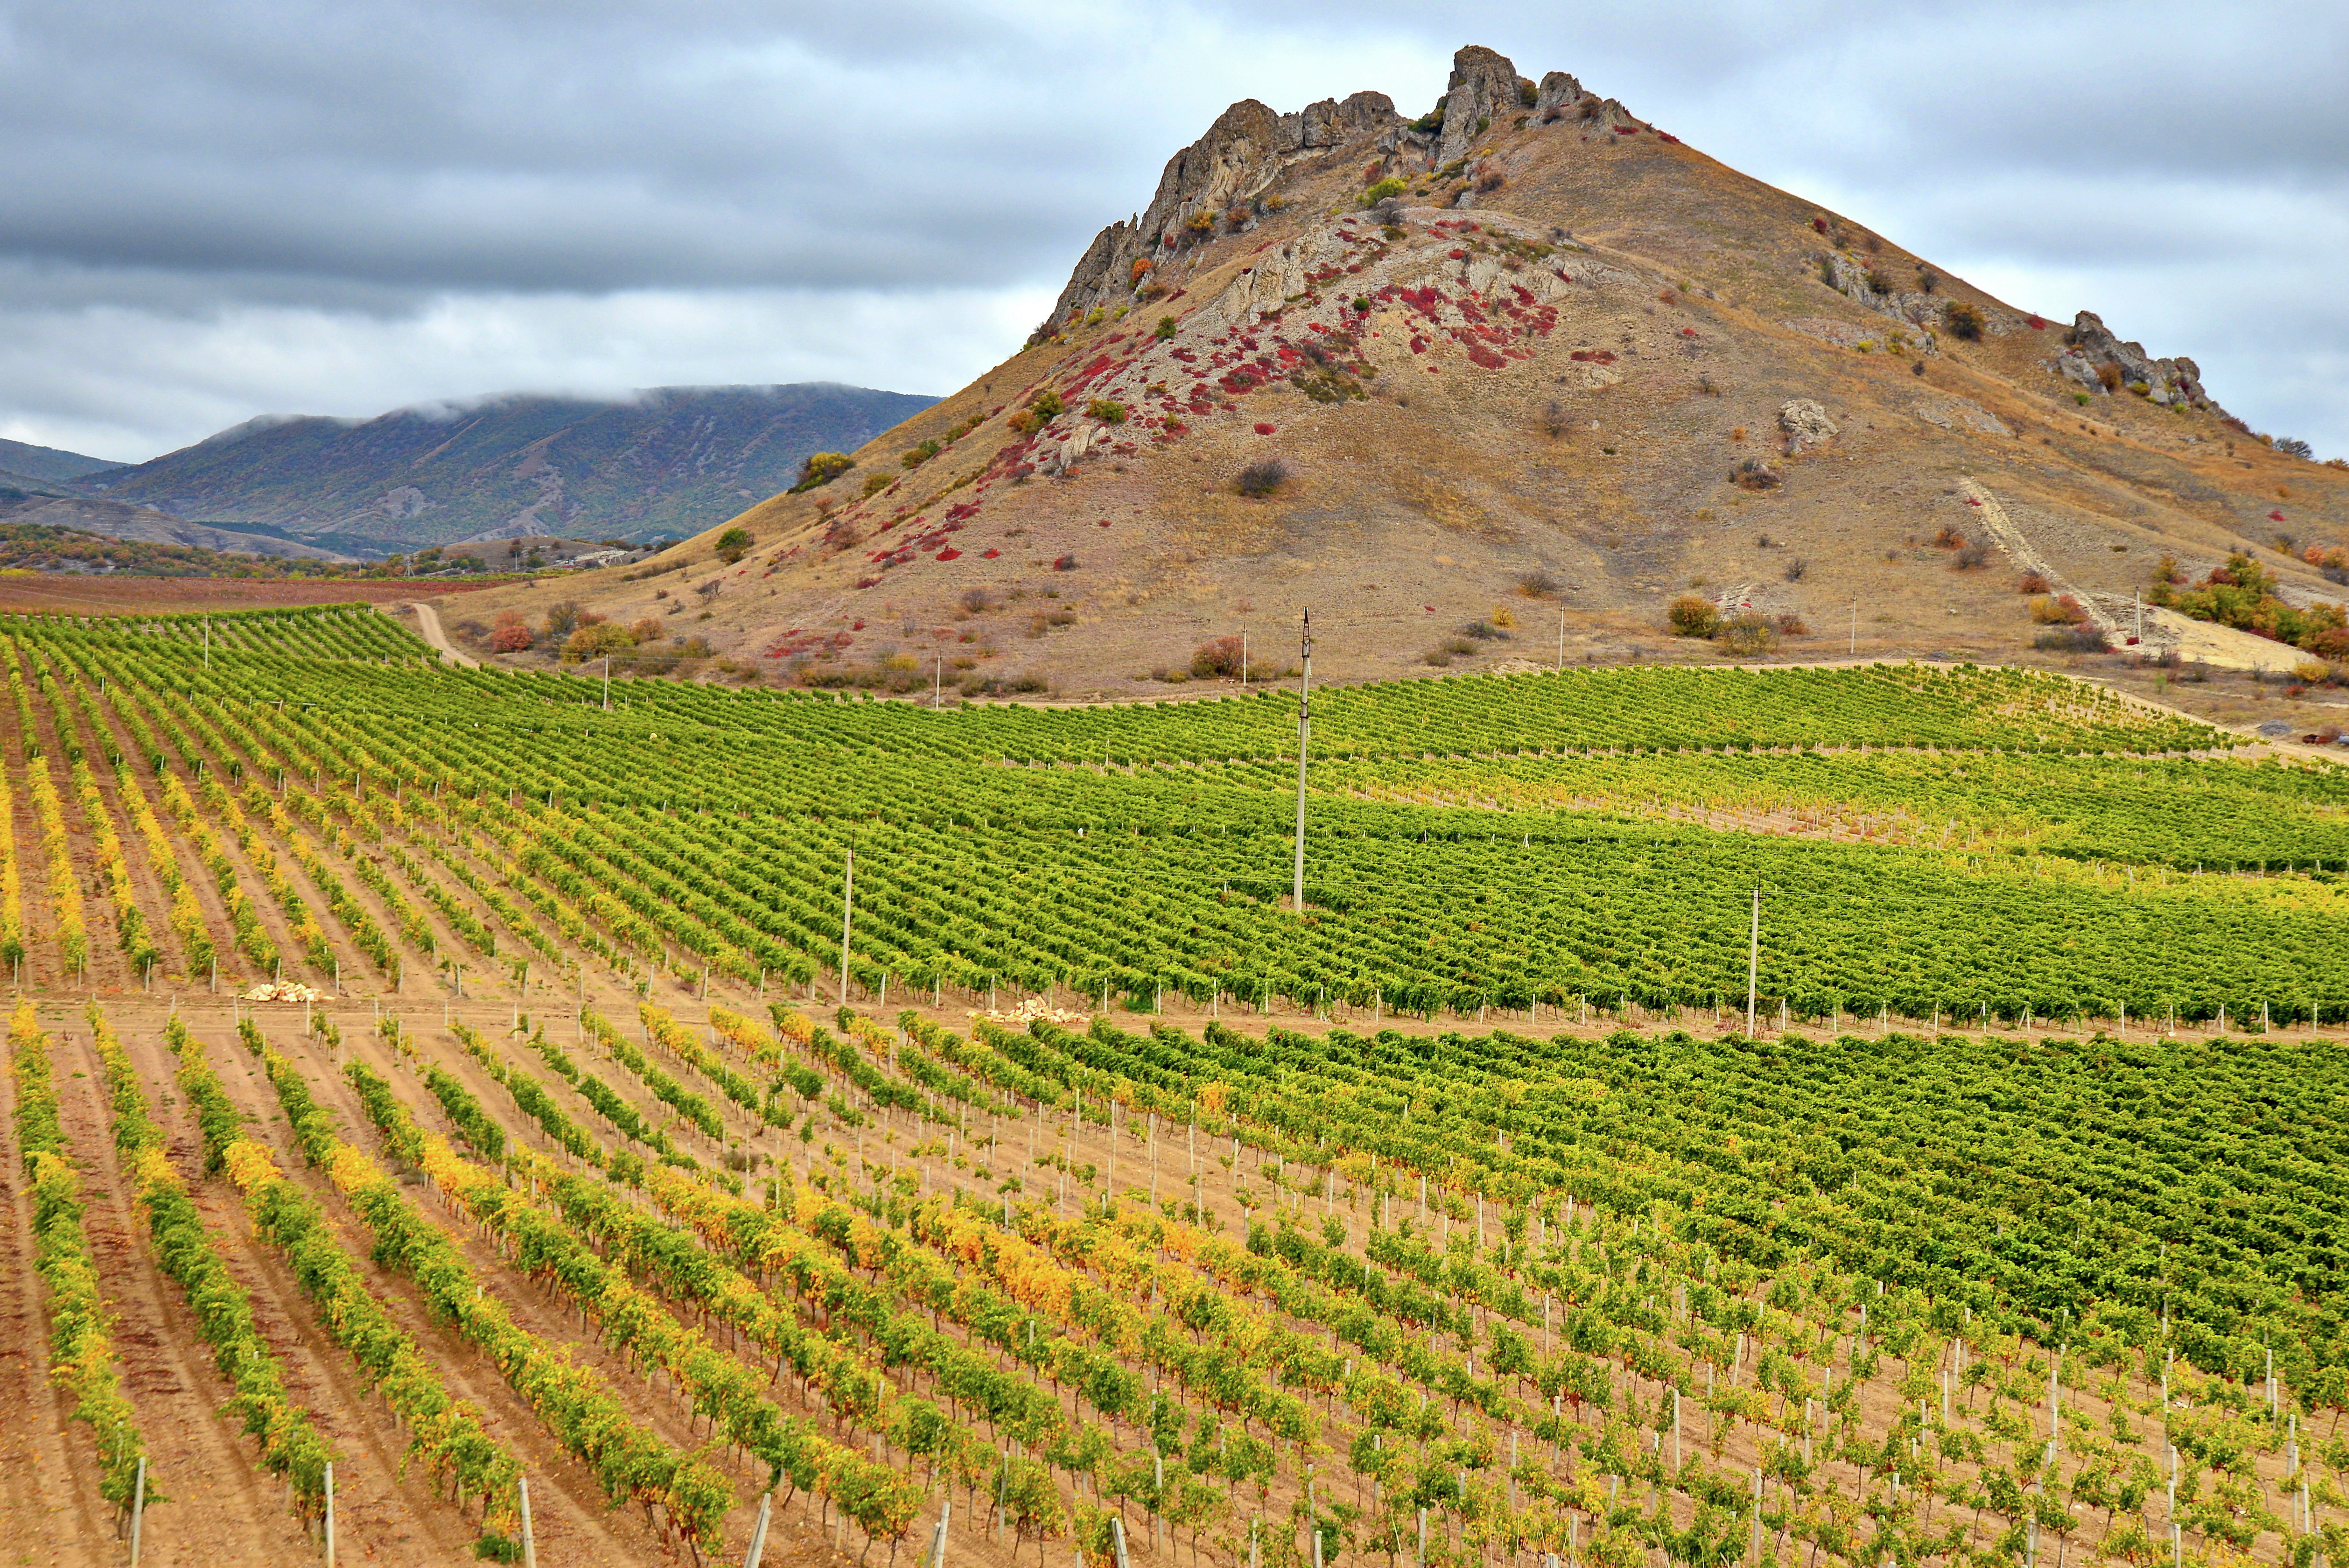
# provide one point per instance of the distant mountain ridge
(671, 460)
(47, 464)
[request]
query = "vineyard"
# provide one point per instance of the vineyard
(623, 1178)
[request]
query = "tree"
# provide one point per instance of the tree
(734, 543)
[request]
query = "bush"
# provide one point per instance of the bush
(920, 453)
(822, 468)
(1262, 477)
(2073, 639)
(563, 617)
(1388, 187)
(512, 633)
(734, 543)
(1755, 475)
(648, 629)
(1456, 644)
(876, 483)
(1165, 327)
(596, 641)
(2049, 610)
(1971, 557)
(976, 601)
(1693, 615)
(1218, 659)
(1065, 564)
(1796, 569)
(1962, 320)
(1107, 410)
(1949, 539)
(1484, 631)
(1490, 180)
(2109, 377)
(2031, 583)
(1792, 625)
(1046, 404)
(2311, 672)
(1538, 585)
(1748, 631)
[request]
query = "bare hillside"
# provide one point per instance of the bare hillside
(1503, 387)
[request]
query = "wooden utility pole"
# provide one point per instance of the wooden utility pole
(847, 908)
(1753, 963)
(1304, 733)
(608, 684)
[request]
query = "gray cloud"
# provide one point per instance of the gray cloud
(258, 205)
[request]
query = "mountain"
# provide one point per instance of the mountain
(1501, 383)
(669, 461)
(45, 464)
(143, 525)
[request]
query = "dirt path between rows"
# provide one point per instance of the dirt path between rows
(48, 1463)
(219, 1507)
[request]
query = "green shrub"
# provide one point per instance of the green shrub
(1046, 404)
(822, 468)
(1107, 410)
(1748, 632)
(1963, 320)
(1390, 186)
(734, 543)
(1693, 615)
(1165, 327)
(921, 453)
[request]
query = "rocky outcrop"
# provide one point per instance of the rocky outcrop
(1228, 168)
(1364, 117)
(1806, 426)
(1557, 91)
(1483, 91)
(2093, 348)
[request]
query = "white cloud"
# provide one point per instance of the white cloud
(273, 205)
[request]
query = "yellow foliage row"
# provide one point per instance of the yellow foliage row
(746, 1036)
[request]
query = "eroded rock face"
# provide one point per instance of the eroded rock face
(1233, 165)
(1482, 93)
(1806, 425)
(2165, 381)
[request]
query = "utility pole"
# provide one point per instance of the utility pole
(1855, 629)
(1304, 733)
(937, 678)
(208, 642)
(1753, 963)
(608, 684)
(1243, 670)
(847, 907)
(1561, 642)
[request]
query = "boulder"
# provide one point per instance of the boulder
(1806, 425)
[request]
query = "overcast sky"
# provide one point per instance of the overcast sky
(262, 206)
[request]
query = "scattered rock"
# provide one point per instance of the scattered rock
(1806, 425)
(1946, 412)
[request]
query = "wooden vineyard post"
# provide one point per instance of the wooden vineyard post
(757, 1548)
(138, 1509)
(847, 909)
(1304, 734)
(1753, 963)
(330, 1513)
(937, 1554)
(529, 1546)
